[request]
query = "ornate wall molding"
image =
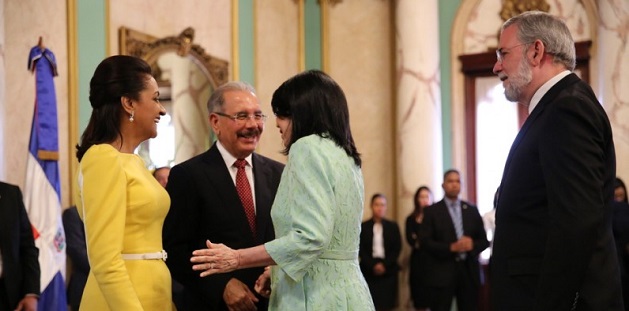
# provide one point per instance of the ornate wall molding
(149, 48)
(511, 8)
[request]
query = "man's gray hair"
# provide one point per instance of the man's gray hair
(549, 29)
(216, 101)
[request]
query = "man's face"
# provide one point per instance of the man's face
(512, 67)
(452, 185)
(240, 138)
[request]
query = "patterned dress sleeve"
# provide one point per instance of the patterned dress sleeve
(311, 199)
(104, 197)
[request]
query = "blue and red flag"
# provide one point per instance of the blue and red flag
(42, 193)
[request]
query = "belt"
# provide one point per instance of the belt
(339, 255)
(146, 256)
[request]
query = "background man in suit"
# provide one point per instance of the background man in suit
(453, 235)
(380, 246)
(19, 265)
(77, 251)
(206, 204)
(553, 246)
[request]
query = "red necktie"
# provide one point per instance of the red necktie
(244, 192)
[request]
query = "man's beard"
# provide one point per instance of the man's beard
(517, 82)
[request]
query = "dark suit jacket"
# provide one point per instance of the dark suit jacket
(20, 265)
(437, 233)
(392, 248)
(77, 251)
(205, 206)
(553, 240)
(620, 226)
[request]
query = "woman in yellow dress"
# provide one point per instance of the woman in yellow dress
(122, 205)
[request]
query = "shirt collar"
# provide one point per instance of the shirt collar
(228, 157)
(544, 89)
(449, 202)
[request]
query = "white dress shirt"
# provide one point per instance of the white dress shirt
(377, 248)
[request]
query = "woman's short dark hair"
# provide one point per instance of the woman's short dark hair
(316, 105)
(115, 77)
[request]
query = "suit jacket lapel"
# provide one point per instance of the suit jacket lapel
(465, 216)
(369, 237)
(447, 219)
(219, 175)
(262, 179)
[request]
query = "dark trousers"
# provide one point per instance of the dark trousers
(463, 288)
(4, 299)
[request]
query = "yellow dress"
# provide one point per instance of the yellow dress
(123, 208)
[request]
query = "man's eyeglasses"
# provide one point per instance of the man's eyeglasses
(243, 117)
(500, 53)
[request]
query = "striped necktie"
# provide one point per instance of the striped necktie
(457, 221)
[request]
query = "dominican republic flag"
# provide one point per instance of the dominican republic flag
(42, 193)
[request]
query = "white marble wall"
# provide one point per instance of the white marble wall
(361, 61)
(24, 22)
(2, 93)
(276, 55)
(613, 64)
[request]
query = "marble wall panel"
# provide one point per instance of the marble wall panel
(2, 94)
(24, 22)
(276, 59)
(361, 61)
(613, 63)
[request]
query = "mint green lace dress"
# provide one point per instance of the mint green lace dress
(317, 215)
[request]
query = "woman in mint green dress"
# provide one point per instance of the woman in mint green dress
(317, 211)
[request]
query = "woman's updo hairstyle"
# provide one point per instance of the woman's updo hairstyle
(115, 77)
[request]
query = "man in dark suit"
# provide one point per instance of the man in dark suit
(380, 246)
(206, 204)
(77, 251)
(19, 269)
(453, 235)
(553, 246)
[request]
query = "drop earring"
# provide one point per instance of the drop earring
(131, 116)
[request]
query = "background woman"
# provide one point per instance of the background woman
(422, 199)
(122, 205)
(380, 246)
(317, 210)
(620, 191)
(620, 226)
